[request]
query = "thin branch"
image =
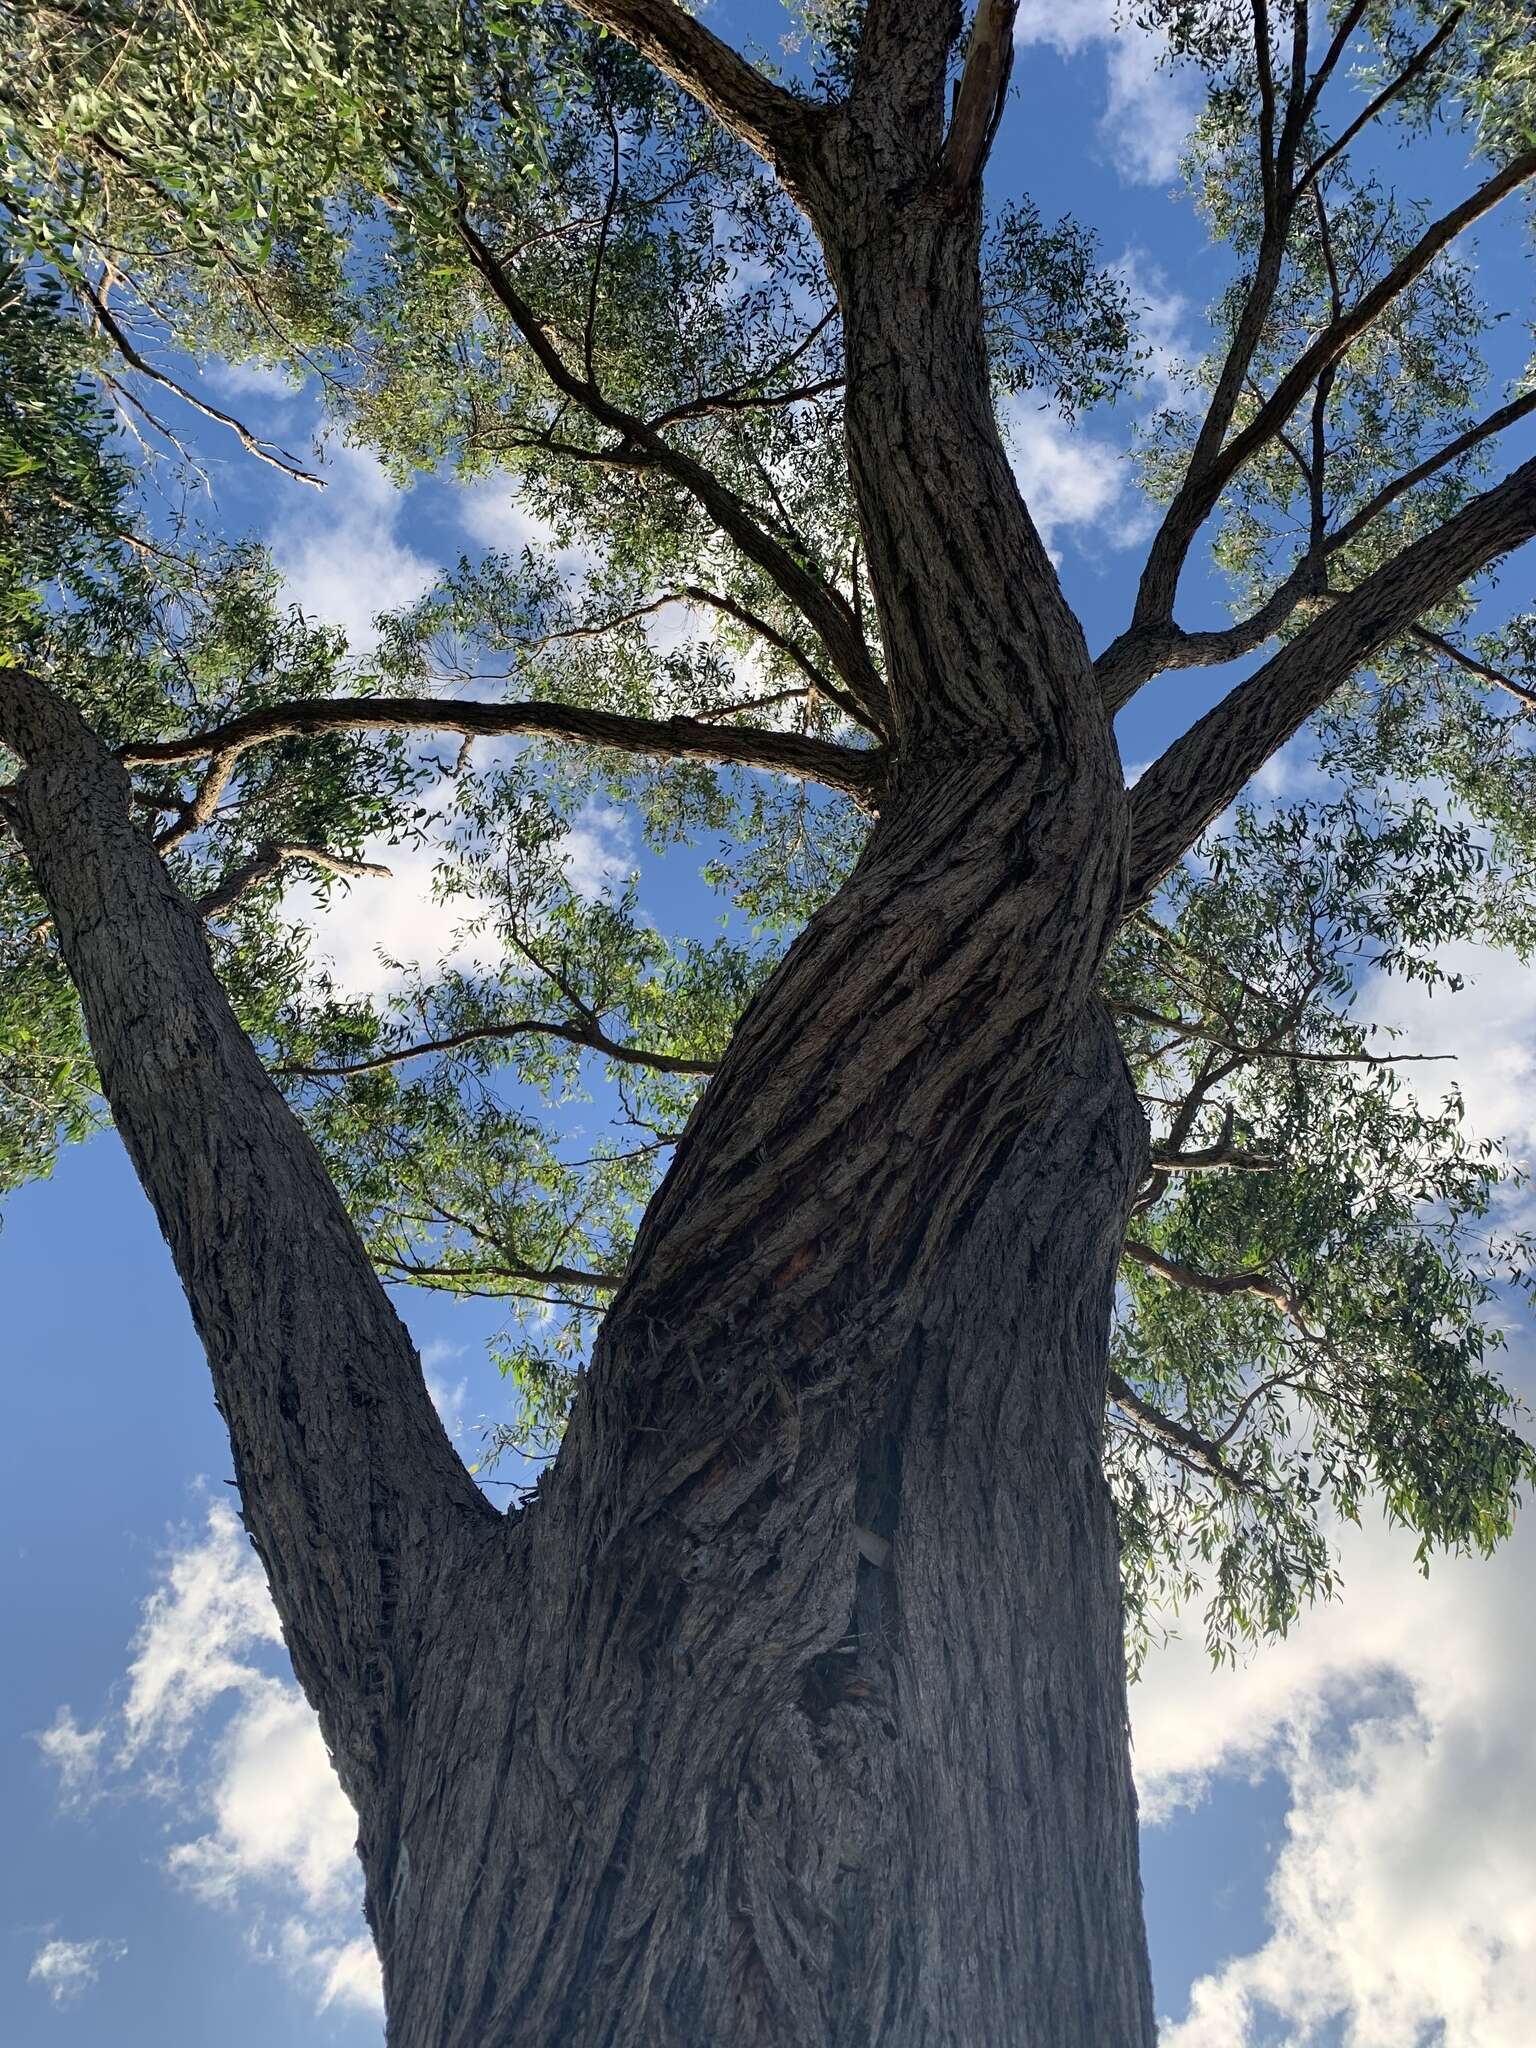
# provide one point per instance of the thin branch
(193, 816)
(1186, 1443)
(1352, 18)
(1506, 416)
(268, 861)
(1217, 1159)
(590, 1035)
(745, 401)
(1438, 644)
(1197, 1028)
(1417, 64)
(749, 394)
(537, 1276)
(589, 331)
(824, 609)
(122, 342)
(1212, 466)
(1267, 167)
(859, 772)
(1263, 1286)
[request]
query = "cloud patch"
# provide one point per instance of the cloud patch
(1149, 106)
(276, 1832)
(66, 1969)
(341, 555)
(1073, 481)
(1402, 1904)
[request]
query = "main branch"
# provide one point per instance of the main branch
(745, 102)
(858, 773)
(1213, 465)
(1202, 772)
(357, 1503)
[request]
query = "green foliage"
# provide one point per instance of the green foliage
(413, 205)
(61, 487)
(1317, 1307)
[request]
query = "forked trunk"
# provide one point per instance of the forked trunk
(791, 1710)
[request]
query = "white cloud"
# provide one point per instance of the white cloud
(200, 1626)
(278, 1826)
(279, 1814)
(67, 1968)
(448, 1396)
(1071, 479)
(1162, 320)
(598, 851)
(1149, 107)
(1403, 1720)
(342, 1974)
(254, 380)
(1489, 1024)
(339, 553)
(362, 929)
(75, 1754)
(493, 513)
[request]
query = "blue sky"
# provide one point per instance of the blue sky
(1339, 1848)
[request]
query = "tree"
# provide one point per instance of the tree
(790, 1706)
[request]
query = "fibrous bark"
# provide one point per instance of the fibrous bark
(665, 1758)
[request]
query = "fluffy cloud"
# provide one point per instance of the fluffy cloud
(279, 1832)
(363, 929)
(66, 1968)
(1149, 108)
(1402, 1904)
(341, 555)
(75, 1753)
(1489, 1024)
(1071, 479)
(493, 513)
(1403, 1900)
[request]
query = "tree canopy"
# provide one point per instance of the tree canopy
(546, 245)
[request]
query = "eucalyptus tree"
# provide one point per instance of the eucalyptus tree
(790, 1705)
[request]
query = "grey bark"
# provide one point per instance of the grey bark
(662, 1760)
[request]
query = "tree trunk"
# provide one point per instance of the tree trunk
(791, 1709)
(800, 1716)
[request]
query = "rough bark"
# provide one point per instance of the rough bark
(791, 1708)
(661, 1760)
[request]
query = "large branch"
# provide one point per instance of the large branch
(859, 773)
(1202, 772)
(981, 91)
(745, 102)
(1151, 649)
(360, 1509)
(1211, 468)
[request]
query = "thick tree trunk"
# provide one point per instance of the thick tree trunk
(704, 1771)
(670, 1758)
(791, 1709)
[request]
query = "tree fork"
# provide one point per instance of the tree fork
(661, 1760)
